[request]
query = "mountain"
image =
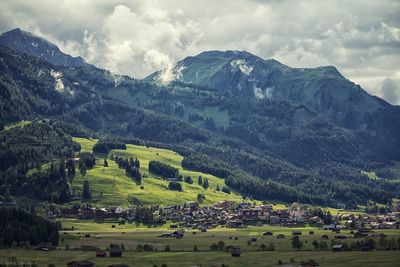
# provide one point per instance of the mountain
(30, 44)
(266, 148)
(323, 89)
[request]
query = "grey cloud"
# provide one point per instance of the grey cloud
(361, 38)
(391, 91)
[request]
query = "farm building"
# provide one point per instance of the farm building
(84, 263)
(101, 253)
(337, 247)
(234, 250)
(115, 252)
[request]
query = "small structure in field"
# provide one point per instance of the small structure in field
(178, 234)
(234, 250)
(337, 248)
(115, 252)
(84, 263)
(296, 233)
(101, 254)
(280, 236)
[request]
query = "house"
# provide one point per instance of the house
(84, 263)
(166, 235)
(235, 224)
(268, 233)
(170, 210)
(224, 205)
(234, 250)
(116, 210)
(337, 248)
(274, 219)
(101, 254)
(177, 234)
(329, 227)
(244, 205)
(315, 220)
(115, 252)
(192, 205)
(280, 236)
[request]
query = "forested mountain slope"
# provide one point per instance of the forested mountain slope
(269, 148)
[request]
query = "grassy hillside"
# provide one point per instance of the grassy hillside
(16, 124)
(111, 187)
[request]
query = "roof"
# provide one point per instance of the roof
(84, 262)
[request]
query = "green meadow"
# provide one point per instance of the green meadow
(182, 250)
(111, 187)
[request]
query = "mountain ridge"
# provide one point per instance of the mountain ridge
(240, 73)
(266, 143)
(31, 44)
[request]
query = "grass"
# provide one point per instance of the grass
(182, 249)
(260, 258)
(111, 187)
(86, 143)
(16, 124)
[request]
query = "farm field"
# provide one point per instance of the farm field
(182, 253)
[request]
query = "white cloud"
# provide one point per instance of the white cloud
(240, 64)
(361, 38)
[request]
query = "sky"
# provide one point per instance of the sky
(360, 37)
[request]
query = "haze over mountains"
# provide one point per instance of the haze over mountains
(308, 132)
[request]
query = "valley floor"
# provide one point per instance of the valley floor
(91, 235)
(258, 258)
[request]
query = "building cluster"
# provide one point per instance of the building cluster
(234, 215)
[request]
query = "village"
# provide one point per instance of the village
(234, 215)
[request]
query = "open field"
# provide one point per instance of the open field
(111, 187)
(182, 253)
(132, 235)
(86, 143)
(16, 124)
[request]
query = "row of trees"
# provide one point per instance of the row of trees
(104, 146)
(203, 182)
(21, 228)
(131, 166)
(163, 170)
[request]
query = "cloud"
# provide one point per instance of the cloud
(390, 90)
(361, 38)
(163, 62)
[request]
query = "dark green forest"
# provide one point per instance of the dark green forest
(265, 149)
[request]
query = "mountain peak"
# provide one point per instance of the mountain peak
(226, 54)
(31, 44)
